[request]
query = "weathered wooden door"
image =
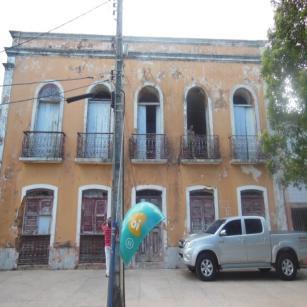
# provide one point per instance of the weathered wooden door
(202, 212)
(35, 237)
(151, 249)
(93, 215)
(252, 203)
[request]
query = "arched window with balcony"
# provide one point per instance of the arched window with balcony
(96, 142)
(149, 141)
(45, 141)
(245, 144)
(198, 141)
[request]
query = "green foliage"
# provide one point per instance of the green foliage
(284, 69)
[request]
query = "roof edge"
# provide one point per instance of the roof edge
(140, 39)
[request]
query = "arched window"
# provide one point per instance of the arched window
(93, 214)
(197, 113)
(36, 227)
(149, 126)
(99, 124)
(99, 111)
(245, 138)
(48, 108)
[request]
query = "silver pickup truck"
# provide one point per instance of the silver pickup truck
(243, 242)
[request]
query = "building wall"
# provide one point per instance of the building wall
(218, 67)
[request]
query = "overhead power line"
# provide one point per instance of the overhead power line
(64, 92)
(101, 75)
(60, 26)
(53, 80)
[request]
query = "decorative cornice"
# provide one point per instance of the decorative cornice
(139, 39)
(145, 56)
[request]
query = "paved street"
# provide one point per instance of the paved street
(159, 288)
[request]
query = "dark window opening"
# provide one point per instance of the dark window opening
(151, 119)
(253, 226)
(196, 111)
(242, 97)
(148, 94)
(233, 228)
(101, 92)
(201, 193)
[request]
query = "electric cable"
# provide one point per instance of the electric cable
(60, 26)
(64, 92)
(56, 80)
(53, 80)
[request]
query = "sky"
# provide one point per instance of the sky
(228, 19)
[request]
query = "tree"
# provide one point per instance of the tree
(284, 69)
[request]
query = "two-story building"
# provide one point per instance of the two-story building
(194, 112)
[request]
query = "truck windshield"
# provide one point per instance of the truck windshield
(215, 226)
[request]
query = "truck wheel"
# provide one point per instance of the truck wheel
(286, 266)
(206, 267)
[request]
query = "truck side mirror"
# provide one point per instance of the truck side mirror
(223, 233)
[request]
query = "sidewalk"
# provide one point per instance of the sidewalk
(158, 288)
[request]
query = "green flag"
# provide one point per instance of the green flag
(138, 222)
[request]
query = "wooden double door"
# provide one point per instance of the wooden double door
(202, 211)
(151, 249)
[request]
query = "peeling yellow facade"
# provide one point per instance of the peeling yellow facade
(218, 67)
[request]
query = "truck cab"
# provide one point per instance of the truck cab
(243, 242)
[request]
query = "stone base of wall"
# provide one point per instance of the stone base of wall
(63, 258)
(8, 259)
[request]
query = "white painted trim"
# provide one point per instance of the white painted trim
(161, 104)
(164, 205)
(35, 103)
(208, 109)
(187, 195)
(109, 86)
(255, 105)
(265, 199)
(80, 192)
(53, 188)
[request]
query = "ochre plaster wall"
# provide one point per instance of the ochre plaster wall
(173, 78)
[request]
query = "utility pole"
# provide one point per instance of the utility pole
(116, 286)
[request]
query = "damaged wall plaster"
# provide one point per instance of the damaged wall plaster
(251, 170)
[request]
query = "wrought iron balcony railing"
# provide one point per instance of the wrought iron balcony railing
(148, 146)
(246, 148)
(43, 145)
(200, 147)
(95, 146)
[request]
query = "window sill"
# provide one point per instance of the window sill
(40, 160)
(92, 161)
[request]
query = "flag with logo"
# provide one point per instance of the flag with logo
(138, 222)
